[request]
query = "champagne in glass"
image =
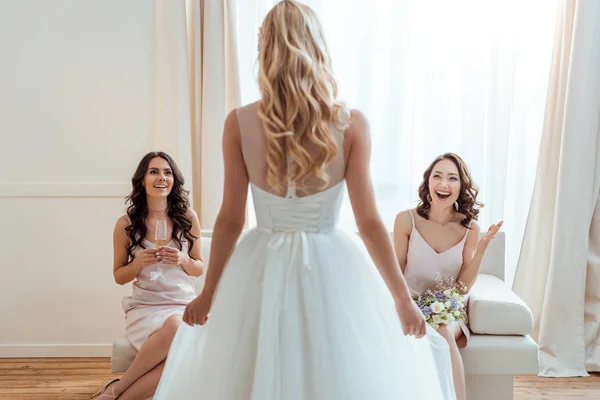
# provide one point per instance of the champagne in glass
(161, 242)
(160, 234)
(160, 239)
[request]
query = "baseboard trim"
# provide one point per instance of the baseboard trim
(55, 350)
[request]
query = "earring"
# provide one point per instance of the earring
(456, 205)
(428, 197)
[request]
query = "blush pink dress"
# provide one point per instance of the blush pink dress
(159, 292)
(423, 263)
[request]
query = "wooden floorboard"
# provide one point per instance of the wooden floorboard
(78, 378)
(538, 388)
(52, 378)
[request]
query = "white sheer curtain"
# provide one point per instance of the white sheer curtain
(432, 77)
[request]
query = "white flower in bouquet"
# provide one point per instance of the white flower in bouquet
(448, 293)
(448, 304)
(437, 307)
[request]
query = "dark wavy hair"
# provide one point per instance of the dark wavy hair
(177, 206)
(467, 199)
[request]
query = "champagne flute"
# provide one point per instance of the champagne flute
(160, 237)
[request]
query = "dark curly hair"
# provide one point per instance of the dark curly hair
(177, 206)
(467, 199)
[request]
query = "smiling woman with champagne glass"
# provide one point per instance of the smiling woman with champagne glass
(156, 245)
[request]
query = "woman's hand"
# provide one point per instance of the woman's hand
(196, 313)
(490, 234)
(146, 258)
(170, 255)
(413, 320)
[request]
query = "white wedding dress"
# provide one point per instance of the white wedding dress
(301, 312)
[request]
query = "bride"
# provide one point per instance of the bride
(299, 311)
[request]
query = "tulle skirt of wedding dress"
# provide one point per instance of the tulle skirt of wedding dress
(304, 316)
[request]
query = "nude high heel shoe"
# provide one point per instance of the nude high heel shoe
(103, 395)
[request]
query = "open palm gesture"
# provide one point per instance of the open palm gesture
(491, 233)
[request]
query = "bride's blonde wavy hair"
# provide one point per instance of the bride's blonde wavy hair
(298, 95)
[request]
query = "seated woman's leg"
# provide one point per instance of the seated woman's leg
(153, 352)
(451, 332)
(145, 387)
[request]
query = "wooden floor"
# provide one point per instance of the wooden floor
(530, 387)
(78, 378)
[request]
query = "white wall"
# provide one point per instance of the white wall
(76, 114)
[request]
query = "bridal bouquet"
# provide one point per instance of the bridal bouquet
(444, 302)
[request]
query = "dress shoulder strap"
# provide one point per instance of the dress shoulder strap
(412, 217)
